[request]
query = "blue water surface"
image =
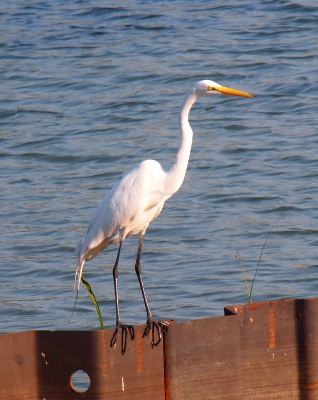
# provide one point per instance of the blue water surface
(91, 88)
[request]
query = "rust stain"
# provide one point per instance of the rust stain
(167, 387)
(167, 361)
(277, 302)
(305, 386)
(272, 328)
(255, 306)
(140, 353)
(237, 308)
(104, 354)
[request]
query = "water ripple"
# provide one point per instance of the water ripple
(90, 90)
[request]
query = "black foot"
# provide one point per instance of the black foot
(125, 329)
(159, 326)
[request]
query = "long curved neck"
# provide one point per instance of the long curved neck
(177, 173)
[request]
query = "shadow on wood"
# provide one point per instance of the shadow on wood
(40, 364)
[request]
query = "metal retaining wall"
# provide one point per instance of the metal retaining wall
(260, 351)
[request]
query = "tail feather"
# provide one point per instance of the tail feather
(78, 274)
(78, 278)
(79, 248)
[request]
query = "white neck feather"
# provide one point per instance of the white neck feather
(177, 173)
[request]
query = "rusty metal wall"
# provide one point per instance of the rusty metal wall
(203, 359)
(259, 351)
(279, 345)
(40, 364)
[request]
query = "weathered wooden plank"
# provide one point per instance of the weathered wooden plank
(202, 359)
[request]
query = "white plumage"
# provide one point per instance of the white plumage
(136, 200)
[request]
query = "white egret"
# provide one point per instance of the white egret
(135, 201)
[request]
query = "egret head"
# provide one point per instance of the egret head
(207, 88)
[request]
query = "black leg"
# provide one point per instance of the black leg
(125, 328)
(151, 324)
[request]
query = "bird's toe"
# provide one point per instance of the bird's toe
(157, 328)
(125, 330)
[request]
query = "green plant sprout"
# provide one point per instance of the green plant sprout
(250, 290)
(92, 296)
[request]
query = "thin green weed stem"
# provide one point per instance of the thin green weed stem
(92, 296)
(250, 290)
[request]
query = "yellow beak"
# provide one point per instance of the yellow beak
(232, 92)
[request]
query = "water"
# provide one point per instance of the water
(90, 89)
